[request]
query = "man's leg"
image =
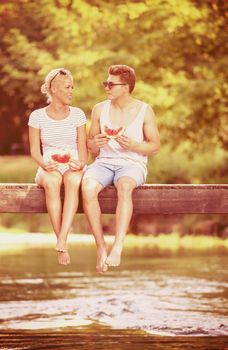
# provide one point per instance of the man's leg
(125, 185)
(90, 191)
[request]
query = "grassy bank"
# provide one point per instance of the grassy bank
(178, 165)
(17, 169)
(10, 241)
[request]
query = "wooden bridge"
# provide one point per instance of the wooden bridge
(147, 199)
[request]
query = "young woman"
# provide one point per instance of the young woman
(59, 130)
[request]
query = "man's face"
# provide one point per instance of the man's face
(115, 91)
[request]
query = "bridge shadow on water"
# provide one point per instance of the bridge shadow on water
(102, 339)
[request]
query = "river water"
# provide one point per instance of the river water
(157, 299)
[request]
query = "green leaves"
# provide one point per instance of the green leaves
(177, 49)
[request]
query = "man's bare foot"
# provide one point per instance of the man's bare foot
(114, 257)
(101, 257)
(63, 255)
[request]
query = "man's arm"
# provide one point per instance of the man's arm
(151, 145)
(151, 134)
(96, 140)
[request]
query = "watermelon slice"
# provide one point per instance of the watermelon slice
(61, 158)
(112, 133)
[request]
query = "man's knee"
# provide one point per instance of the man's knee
(125, 187)
(90, 188)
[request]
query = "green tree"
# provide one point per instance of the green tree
(177, 49)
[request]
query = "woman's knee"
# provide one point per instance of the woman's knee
(72, 180)
(51, 183)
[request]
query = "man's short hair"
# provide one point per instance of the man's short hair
(126, 73)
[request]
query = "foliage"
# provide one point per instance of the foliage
(177, 49)
(186, 165)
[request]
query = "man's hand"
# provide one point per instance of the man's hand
(126, 142)
(100, 140)
(76, 165)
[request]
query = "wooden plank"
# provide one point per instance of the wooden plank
(147, 199)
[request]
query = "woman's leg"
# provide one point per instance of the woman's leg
(71, 182)
(51, 182)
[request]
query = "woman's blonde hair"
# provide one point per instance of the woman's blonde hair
(46, 87)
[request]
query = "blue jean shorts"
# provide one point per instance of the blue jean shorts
(108, 174)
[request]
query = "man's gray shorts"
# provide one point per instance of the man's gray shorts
(107, 174)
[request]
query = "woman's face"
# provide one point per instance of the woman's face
(62, 89)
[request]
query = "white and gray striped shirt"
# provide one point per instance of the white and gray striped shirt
(57, 135)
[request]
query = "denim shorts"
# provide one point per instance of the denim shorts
(108, 174)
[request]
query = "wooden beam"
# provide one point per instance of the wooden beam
(147, 199)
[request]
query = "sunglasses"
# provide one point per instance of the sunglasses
(62, 72)
(110, 84)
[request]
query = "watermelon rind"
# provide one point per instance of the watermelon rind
(112, 133)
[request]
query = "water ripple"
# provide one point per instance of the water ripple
(156, 304)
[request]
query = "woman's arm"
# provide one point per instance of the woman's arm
(77, 165)
(81, 144)
(34, 141)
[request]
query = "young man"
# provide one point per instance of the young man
(120, 161)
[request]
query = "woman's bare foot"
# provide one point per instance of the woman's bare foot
(63, 258)
(114, 257)
(101, 265)
(63, 255)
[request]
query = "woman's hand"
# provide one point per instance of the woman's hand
(50, 166)
(76, 165)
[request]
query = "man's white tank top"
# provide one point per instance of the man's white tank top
(112, 152)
